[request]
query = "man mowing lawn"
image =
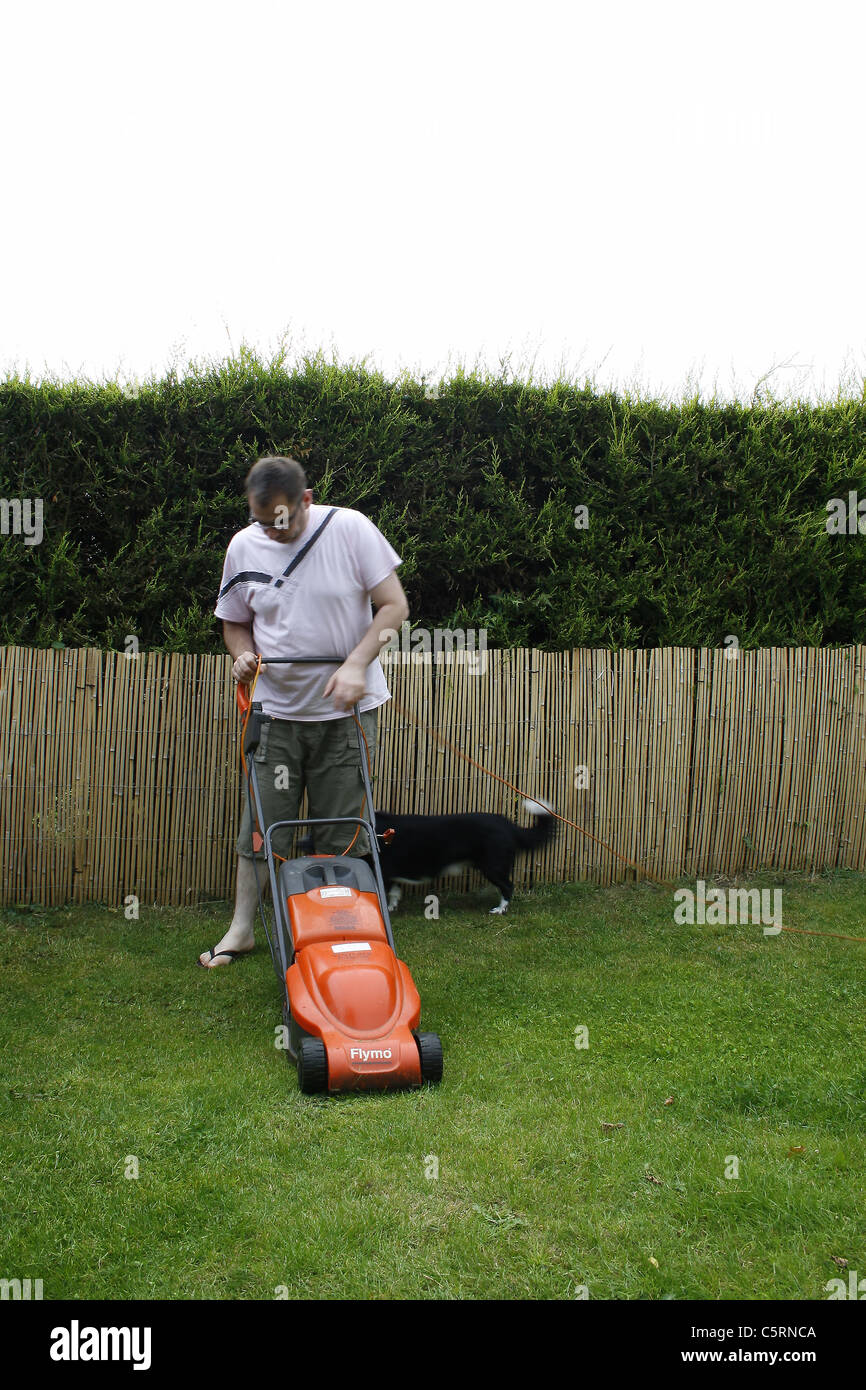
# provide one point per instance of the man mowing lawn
(323, 608)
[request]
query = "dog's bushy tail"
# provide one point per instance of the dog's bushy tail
(543, 828)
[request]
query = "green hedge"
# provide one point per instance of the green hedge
(705, 520)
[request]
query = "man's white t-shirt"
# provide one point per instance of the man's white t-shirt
(322, 609)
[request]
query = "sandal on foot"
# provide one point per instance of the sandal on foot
(233, 954)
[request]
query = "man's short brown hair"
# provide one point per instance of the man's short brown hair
(275, 476)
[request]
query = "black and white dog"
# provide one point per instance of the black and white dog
(425, 847)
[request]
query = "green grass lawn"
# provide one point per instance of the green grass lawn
(558, 1167)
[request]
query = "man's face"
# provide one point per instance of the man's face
(280, 519)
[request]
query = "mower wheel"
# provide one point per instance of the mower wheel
(312, 1066)
(430, 1048)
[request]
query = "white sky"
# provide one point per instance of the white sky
(656, 195)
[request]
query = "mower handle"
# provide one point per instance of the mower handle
(243, 694)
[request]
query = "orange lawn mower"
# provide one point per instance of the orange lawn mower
(350, 1007)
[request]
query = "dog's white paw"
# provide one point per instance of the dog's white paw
(503, 907)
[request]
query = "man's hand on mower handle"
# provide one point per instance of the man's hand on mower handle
(245, 668)
(347, 685)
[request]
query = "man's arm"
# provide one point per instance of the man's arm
(392, 608)
(238, 637)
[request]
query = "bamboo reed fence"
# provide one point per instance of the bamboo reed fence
(120, 775)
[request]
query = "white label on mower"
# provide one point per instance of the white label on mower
(335, 892)
(370, 1054)
(352, 946)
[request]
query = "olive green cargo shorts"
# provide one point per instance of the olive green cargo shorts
(321, 755)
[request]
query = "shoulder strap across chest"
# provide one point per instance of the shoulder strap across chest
(306, 550)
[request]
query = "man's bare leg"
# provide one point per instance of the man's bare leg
(239, 936)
